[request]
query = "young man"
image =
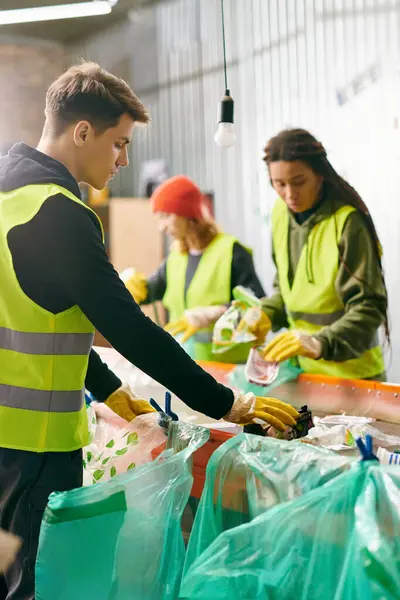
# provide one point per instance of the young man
(57, 285)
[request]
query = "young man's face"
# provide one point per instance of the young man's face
(102, 155)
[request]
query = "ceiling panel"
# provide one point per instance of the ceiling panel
(66, 30)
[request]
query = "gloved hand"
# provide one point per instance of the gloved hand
(290, 344)
(127, 405)
(256, 322)
(9, 546)
(195, 319)
(136, 284)
(248, 407)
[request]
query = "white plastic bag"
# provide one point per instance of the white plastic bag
(117, 446)
(339, 432)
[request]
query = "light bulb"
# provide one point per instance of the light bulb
(225, 136)
(35, 14)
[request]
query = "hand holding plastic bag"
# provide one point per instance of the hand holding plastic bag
(114, 449)
(256, 322)
(193, 320)
(226, 334)
(244, 323)
(127, 405)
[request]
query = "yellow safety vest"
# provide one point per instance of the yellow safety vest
(210, 286)
(43, 356)
(313, 305)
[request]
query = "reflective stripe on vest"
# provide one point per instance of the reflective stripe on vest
(43, 356)
(61, 344)
(322, 319)
(43, 401)
(210, 286)
(312, 301)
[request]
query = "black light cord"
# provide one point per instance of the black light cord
(223, 43)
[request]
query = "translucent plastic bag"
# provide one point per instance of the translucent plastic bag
(248, 475)
(340, 541)
(120, 540)
(288, 371)
(226, 334)
(117, 446)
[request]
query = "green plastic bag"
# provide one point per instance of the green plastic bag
(226, 335)
(288, 371)
(340, 542)
(120, 539)
(248, 475)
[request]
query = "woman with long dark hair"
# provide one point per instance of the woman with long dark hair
(330, 290)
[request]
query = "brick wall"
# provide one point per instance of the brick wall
(26, 70)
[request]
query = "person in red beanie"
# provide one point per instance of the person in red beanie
(196, 281)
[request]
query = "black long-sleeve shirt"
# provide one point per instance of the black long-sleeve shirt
(242, 273)
(60, 261)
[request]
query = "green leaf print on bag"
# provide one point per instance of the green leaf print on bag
(133, 438)
(97, 475)
(121, 452)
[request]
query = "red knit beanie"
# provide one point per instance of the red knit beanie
(179, 196)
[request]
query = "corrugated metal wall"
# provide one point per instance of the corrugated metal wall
(327, 65)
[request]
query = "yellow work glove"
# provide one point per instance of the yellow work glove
(290, 344)
(136, 284)
(193, 320)
(127, 405)
(182, 326)
(248, 407)
(256, 322)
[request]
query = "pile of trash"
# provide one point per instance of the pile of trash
(340, 433)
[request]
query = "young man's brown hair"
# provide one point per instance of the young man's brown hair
(86, 92)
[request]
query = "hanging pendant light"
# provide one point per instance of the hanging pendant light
(225, 136)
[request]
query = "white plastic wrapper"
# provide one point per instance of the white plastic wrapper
(337, 437)
(339, 432)
(388, 458)
(117, 446)
(259, 371)
(346, 420)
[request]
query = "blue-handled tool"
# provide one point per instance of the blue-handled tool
(168, 409)
(167, 412)
(89, 398)
(164, 419)
(366, 449)
(155, 405)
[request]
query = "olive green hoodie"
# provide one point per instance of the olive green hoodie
(359, 283)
